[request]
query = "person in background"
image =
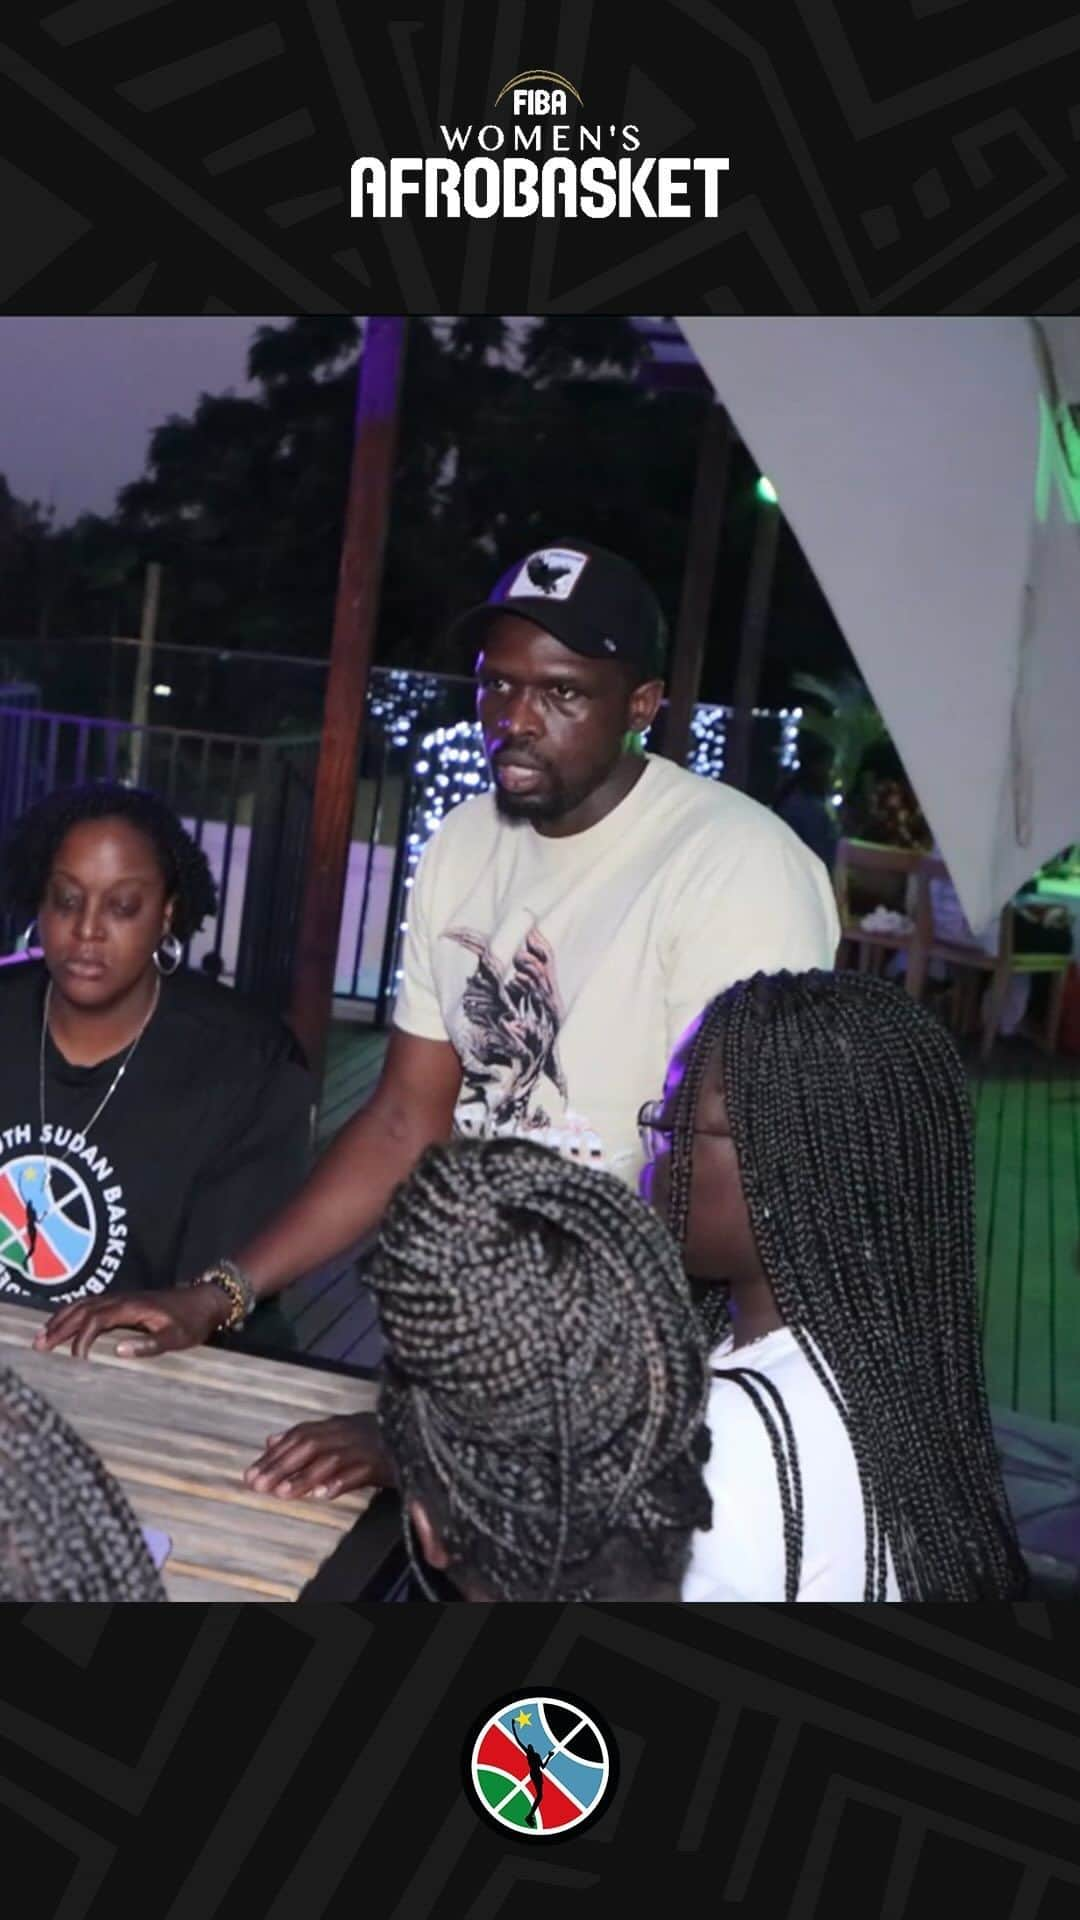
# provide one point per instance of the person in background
(144, 1110)
(884, 808)
(66, 1529)
(803, 799)
(812, 1154)
(545, 1393)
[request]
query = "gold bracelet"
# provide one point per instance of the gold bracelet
(232, 1288)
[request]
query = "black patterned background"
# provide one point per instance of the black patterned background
(904, 155)
(207, 1764)
(219, 1763)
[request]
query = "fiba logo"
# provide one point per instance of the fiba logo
(538, 101)
(535, 101)
(538, 164)
(541, 1766)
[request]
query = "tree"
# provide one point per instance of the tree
(581, 345)
(847, 718)
(24, 532)
(513, 433)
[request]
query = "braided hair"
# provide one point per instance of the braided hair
(35, 839)
(547, 1380)
(849, 1112)
(66, 1529)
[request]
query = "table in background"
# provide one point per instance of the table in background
(177, 1432)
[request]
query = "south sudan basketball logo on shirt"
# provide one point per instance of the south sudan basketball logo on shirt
(54, 1226)
(541, 1767)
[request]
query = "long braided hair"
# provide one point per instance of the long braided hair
(849, 1112)
(547, 1379)
(66, 1529)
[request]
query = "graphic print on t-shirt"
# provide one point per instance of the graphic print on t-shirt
(63, 1224)
(509, 1031)
(507, 1037)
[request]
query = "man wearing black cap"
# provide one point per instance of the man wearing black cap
(564, 929)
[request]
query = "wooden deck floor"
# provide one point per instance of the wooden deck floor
(1027, 1125)
(331, 1313)
(354, 1057)
(1027, 1180)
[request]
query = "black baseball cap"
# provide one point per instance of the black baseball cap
(591, 600)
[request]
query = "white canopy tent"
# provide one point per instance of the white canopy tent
(931, 471)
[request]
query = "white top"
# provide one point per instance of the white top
(742, 1555)
(564, 970)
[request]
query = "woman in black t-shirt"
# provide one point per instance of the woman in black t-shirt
(146, 1115)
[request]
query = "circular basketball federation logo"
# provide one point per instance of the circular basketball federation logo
(49, 1226)
(541, 1767)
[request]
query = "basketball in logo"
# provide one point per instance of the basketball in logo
(49, 1229)
(540, 1767)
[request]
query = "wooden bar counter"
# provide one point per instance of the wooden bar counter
(177, 1432)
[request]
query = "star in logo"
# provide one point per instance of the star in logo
(540, 1766)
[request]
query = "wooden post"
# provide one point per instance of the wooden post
(140, 704)
(706, 517)
(752, 644)
(367, 517)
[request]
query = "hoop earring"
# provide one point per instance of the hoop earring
(168, 950)
(29, 938)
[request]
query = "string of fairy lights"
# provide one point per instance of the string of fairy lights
(398, 700)
(451, 766)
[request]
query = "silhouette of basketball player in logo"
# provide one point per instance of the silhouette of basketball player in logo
(536, 1771)
(31, 1232)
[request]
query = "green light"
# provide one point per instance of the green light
(1058, 465)
(766, 491)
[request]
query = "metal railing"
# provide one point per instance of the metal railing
(247, 803)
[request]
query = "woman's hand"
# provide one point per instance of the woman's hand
(168, 1321)
(324, 1458)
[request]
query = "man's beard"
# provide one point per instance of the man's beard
(553, 802)
(536, 807)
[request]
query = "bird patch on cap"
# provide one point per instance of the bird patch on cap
(551, 574)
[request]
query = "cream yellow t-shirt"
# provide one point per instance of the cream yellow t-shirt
(563, 971)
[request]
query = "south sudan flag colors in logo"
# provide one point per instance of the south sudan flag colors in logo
(55, 1251)
(540, 1767)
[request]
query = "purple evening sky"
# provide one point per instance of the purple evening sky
(79, 397)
